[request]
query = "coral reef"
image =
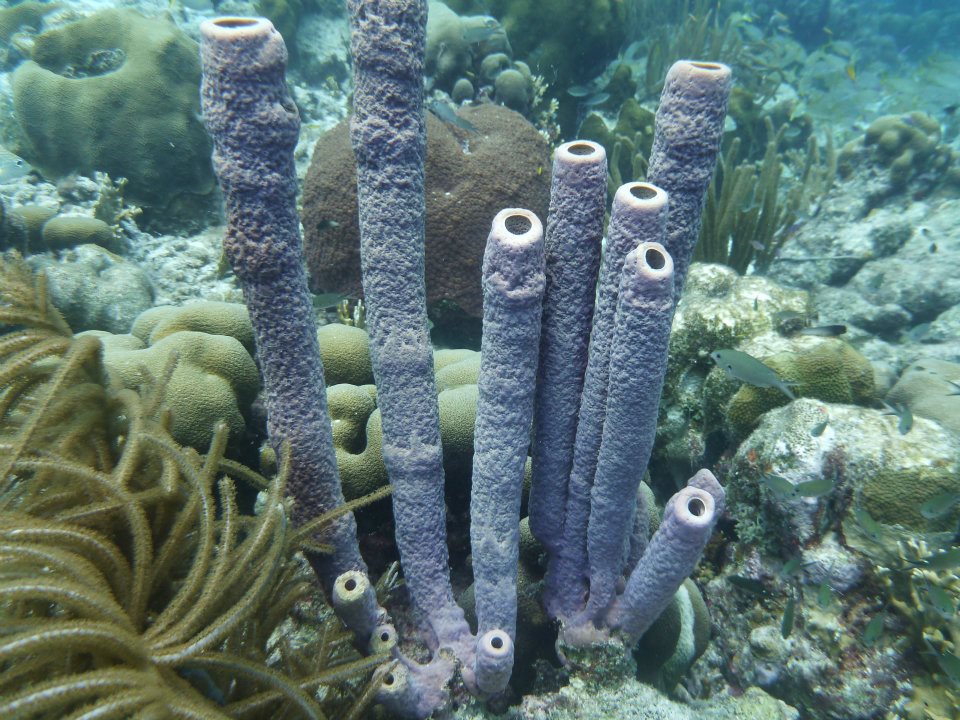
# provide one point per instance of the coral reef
(507, 166)
(243, 65)
(115, 92)
(908, 150)
(132, 580)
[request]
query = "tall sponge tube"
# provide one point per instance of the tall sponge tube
(254, 125)
(638, 361)
(671, 556)
(513, 284)
(687, 133)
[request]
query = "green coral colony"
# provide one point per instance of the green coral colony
(407, 359)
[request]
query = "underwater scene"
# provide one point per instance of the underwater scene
(547, 359)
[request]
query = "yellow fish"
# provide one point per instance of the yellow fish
(852, 72)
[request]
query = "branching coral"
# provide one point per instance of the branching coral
(928, 597)
(748, 216)
(130, 580)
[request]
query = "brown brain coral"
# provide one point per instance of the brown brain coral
(470, 177)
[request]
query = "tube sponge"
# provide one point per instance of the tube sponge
(574, 232)
(639, 213)
(254, 125)
(513, 284)
(674, 551)
(688, 129)
(388, 133)
(637, 368)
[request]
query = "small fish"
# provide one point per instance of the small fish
(598, 99)
(939, 505)
(791, 566)
(950, 664)
(327, 225)
(634, 51)
(746, 368)
(875, 282)
(871, 527)
(955, 386)
(12, 167)
(818, 429)
(815, 488)
(903, 415)
(449, 116)
(756, 304)
(484, 31)
(579, 90)
(824, 595)
(946, 560)
(789, 617)
(950, 109)
(823, 331)
(941, 601)
(779, 486)
(325, 301)
(757, 245)
(827, 31)
(933, 248)
(754, 587)
(203, 681)
(852, 72)
(199, 5)
(917, 333)
(874, 628)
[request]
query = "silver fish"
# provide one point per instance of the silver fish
(449, 115)
(746, 368)
(12, 167)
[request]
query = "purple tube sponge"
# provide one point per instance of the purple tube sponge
(686, 140)
(639, 214)
(388, 133)
(254, 125)
(638, 362)
(574, 232)
(671, 556)
(513, 283)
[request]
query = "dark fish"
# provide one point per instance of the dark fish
(815, 488)
(946, 560)
(746, 368)
(818, 429)
(478, 34)
(789, 617)
(579, 90)
(823, 331)
(755, 587)
(955, 386)
(939, 505)
(598, 99)
(874, 629)
(903, 415)
(203, 681)
(779, 486)
(917, 333)
(950, 109)
(634, 51)
(791, 566)
(449, 116)
(941, 601)
(824, 595)
(871, 527)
